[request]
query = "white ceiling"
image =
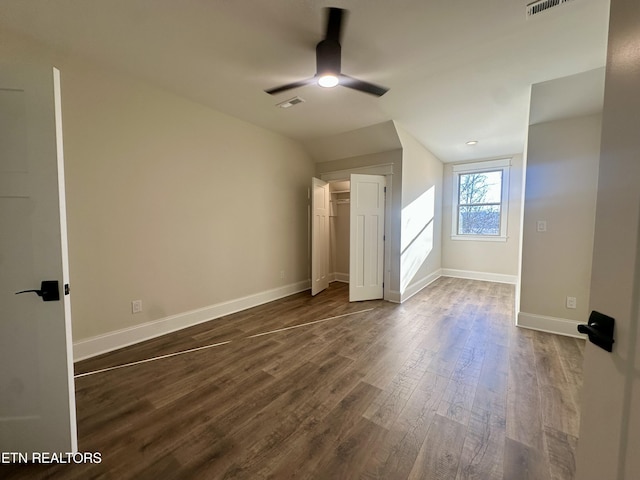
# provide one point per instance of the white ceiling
(457, 70)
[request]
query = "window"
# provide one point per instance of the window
(480, 200)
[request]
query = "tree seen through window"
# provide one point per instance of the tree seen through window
(479, 203)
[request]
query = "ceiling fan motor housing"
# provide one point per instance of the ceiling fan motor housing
(328, 58)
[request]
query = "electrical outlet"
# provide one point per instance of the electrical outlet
(281, 273)
(136, 306)
(541, 226)
(571, 302)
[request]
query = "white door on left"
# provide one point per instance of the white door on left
(37, 398)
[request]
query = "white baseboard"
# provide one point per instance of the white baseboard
(416, 286)
(107, 342)
(340, 277)
(487, 277)
(560, 326)
(392, 296)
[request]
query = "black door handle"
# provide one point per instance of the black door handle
(600, 330)
(49, 291)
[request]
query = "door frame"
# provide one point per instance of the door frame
(385, 170)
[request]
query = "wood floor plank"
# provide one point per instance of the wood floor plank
(457, 401)
(348, 457)
(495, 368)
(571, 351)
(469, 365)
(335, 392)
(444, 362)
(387, 406)
(306, 457)
(487, 400)
(548, 365)
(278, 420)
(412, 424)
(524, 412)
(522, 462)
(483, 450)
(560, 409)
(561, 449)
(439, 456)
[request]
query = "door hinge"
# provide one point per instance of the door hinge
(66, 289)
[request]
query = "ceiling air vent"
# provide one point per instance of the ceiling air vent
(543, 5)
(291, 102)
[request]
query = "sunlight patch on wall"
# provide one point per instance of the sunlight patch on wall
(416, 235)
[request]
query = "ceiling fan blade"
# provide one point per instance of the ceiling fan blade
(335, 18)
(289, 86)
(362, 86)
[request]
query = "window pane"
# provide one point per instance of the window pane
(484, 187)
(479, 220)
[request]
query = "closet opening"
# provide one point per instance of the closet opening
(339, 210)
(348, 235)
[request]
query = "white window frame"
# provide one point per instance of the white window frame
(503, 165)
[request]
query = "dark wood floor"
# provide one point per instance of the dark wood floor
(440, 387)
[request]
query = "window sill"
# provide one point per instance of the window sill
(479, 238)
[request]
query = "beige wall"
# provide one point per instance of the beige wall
(561, 183)
(168, 201)
(421, 217)
(495, 260)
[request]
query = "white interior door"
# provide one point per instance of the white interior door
(609, 441)
(320, 204)
(366, 237)
(37, 398)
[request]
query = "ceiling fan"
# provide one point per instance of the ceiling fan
(328, 62)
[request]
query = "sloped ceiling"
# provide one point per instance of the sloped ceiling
(579, 94)
(382, 137)
(457, 70)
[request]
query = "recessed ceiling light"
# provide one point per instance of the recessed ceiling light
(472, 142)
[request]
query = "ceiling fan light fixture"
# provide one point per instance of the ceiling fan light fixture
(328, 80)
(328, 62)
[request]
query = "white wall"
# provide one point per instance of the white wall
(170, 202)
(561, 185)
(421, 216)
(488, 260)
